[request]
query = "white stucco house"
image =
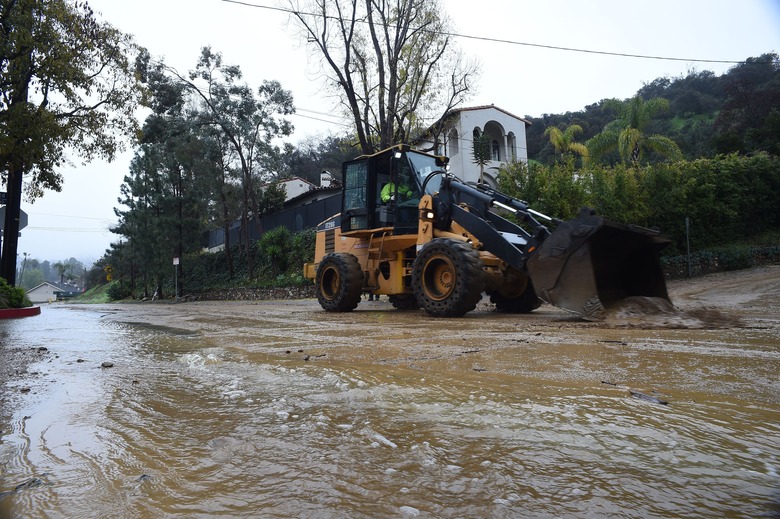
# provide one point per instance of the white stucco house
(43, 292)
(295, 186)
(505, 130)
(49, 291)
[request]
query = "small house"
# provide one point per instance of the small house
(49, 291)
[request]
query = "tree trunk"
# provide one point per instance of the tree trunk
(11, 224)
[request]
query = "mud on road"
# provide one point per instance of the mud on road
(719, 320)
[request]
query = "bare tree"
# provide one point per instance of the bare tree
(391, 63)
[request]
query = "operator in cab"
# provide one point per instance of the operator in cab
(402, 188)
(389, 192)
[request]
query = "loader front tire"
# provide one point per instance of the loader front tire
(339, 282)
(447, 278)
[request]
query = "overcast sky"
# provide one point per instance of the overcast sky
(525, 70)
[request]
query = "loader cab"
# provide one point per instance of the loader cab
(384, 190)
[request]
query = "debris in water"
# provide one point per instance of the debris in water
(648, 398)
(30, 483)
(639, 394)
(384, 441)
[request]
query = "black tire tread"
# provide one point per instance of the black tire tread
(351, 287)
(525, 303)
(404, 302)
(469, 282)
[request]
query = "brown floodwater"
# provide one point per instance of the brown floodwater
(278, 409)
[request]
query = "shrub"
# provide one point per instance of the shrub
(12, 297)
(275, 249)
(733, 257)
(725, 199)
(117, 290)
(301, 251)
(279, 255)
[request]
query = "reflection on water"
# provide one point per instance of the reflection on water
(181, 427)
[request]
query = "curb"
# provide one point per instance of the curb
(17, 313)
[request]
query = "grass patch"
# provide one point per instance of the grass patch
(94, 295)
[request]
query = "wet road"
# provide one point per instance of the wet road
(277, 409)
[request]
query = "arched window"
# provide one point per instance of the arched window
(496, 150)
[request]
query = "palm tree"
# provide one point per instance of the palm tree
(626, 133)
(563, 141)
(481, 149)
(62, 268)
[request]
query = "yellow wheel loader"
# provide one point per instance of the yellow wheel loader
(411, 231)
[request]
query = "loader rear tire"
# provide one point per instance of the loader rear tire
(525, 303)
(447, 278)
(404, 302)
(339, 282)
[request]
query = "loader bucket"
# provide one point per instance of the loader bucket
(589, 264)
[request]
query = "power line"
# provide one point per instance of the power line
(204, 87)
(511, 42)
(65, 229)
(321, 120)
(328, 114)
(589, 51)
(339, 122)
(68, 216)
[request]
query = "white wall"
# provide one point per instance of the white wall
(296, 186)
(42, 293)
(506, 130)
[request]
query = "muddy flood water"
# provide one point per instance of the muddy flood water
(278, 409)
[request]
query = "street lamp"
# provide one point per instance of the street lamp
(24, 264)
